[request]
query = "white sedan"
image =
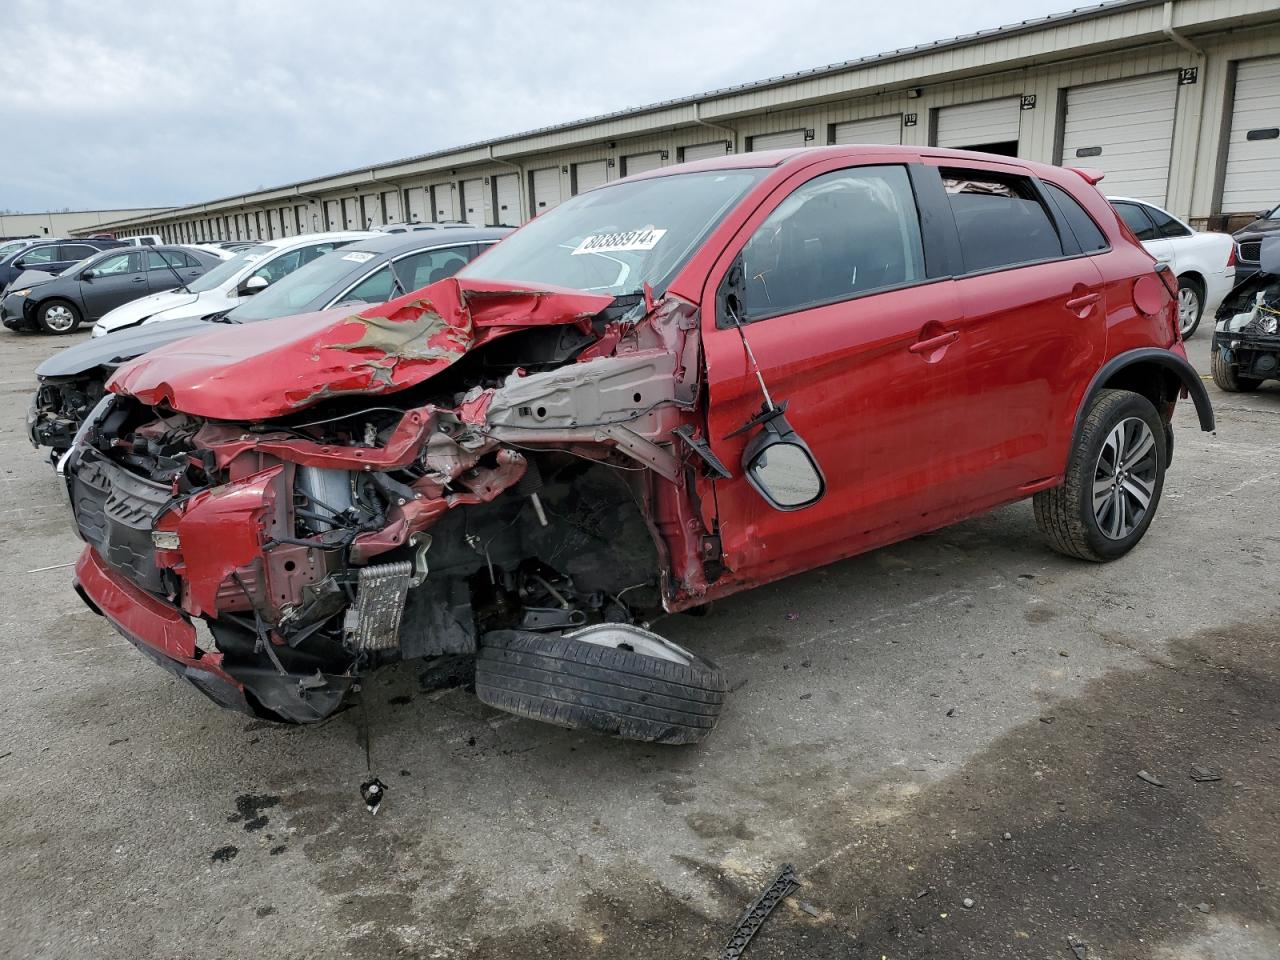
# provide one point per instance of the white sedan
(1204, 263)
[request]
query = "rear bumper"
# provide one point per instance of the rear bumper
(157, 629)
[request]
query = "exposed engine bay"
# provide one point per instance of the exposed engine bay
(520, 489)
(1247, 333)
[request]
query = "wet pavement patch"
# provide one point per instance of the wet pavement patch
(249, 809)
(224, 854)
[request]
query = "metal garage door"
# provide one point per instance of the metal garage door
(419, 211)
(444, 199)
(640, 162)
(371, 211)
(506, 200)
(705, 151)
(391, 206)
(351, 213)
(777, 141)
(977, 125)
(1252, 179)
(332, 216)
(875, 130)
(473, 201)
(545, 185)
(588, 176)
(1125, 128)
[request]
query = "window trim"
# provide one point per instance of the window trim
(1066, 224)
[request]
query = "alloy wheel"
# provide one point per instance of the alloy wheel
(59, 319)
(1124, 478)
(1188, 309)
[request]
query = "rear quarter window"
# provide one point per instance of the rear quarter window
(1087, 233)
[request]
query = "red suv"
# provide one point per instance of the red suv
(664, 391)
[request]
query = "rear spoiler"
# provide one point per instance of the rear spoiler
(1092, 175)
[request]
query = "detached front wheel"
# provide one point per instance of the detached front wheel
(1113, 481)
(610, 678)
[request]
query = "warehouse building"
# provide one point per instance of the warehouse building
(61, 223)
(1179, 102)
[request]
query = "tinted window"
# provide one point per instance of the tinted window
(75, 251)
(429, 266)
(1167, 226)
(845, 233)
(375, 288)
(1137, 219)
(1000, 219)
(1087, 233)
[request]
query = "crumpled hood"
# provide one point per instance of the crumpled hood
(135, 311)
(30, 278)
(118, 348)
(284, 365)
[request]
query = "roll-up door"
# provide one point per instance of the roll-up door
(704, 151)
(545, 186)
(506, 200)
(589, 175)
(1252, 179)
(301, 219)
(875, 130)
(332, 215)
(419, 211)
(444, 200)
(640, 162)
(1124, 127)
(473, 201)
(991, 126)
(391, 206)
(776, 141)
(370, 211)
(351, 213)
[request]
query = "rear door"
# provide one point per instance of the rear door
(1032, 327)
(834, 294)
(117, 278)
(68, 254)
(167, 269)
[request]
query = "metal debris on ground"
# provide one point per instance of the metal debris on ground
(1154, 781)
(1079, 948)
(755, 915)
(808, 908)
(1204, 775)
(373, 791)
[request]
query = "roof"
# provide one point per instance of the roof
(392, 243)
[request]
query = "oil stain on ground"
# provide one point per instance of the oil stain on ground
(1048, 832)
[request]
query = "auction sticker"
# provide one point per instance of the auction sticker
(644, 239)
(358, 256)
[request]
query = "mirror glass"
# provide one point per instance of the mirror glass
(787, 474)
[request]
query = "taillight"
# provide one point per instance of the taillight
(1231, 257)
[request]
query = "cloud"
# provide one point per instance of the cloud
(154, 104)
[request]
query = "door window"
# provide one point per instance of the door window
(375, 288)
(114, 265)
(1087, 233)
(75, 251)
(840, 235)
(39, 255)
(286, 263)
(1000, 219)
(1138, 221)
(430, 266)
(156, 259)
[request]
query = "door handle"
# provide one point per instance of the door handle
(935, 343)
(1083, 303)
(139, 279)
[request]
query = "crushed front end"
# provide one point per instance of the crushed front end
(534, 482)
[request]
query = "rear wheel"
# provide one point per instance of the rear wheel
(1190, 305)
(1227, 376)
(58, 316)
(1113, 480)
(611, 678)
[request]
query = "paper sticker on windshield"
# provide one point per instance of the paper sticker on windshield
(645, 239)
(357, 257)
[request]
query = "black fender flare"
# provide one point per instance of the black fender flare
(1167, 359)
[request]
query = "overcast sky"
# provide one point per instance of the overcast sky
(152, 104)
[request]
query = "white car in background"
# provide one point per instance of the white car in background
(229, 283)
(1204, 263)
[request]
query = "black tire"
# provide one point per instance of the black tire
(1065, 514)
(1197, 288)
(586, 686)
(1227, 376)
(58, 308)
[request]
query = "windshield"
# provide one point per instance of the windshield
(616, 239)
(227, 269)
(297, 292)
(1273, 215)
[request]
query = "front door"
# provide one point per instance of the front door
(116, 279)
(847, 318)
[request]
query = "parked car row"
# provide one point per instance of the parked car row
(674, 387)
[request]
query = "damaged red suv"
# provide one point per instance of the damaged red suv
(664, 391)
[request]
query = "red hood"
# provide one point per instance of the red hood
(273, 368)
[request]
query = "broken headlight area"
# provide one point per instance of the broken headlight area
(322, 546)
(58, 408)
(1247, 332)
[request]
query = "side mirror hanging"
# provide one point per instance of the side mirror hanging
(780, 465)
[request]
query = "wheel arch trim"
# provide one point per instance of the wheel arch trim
(1153, 356)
